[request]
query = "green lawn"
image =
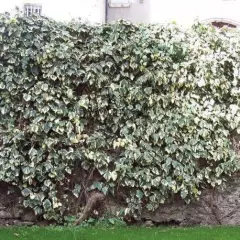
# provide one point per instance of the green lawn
(124, 233)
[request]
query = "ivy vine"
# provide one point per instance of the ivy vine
(152, 108)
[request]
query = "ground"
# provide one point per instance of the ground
(120, 233)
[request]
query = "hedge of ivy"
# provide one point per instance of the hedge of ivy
(152, 108)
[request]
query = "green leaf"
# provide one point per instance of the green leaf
(26, 192)
(91, 220)
(76, 190)
(139, 194)
(47, 205)
(26, 97)
(44, 87)
(111, 220)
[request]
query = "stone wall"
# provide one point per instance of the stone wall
(220, 206)
(12, 211)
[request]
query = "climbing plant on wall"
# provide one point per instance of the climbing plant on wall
(152, 108)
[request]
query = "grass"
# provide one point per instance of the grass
(120, 233)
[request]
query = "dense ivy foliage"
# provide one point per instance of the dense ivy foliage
(151, 108)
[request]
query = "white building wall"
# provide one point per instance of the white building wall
(184, 12)
(63, 10)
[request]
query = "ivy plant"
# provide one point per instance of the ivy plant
(151, 108)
